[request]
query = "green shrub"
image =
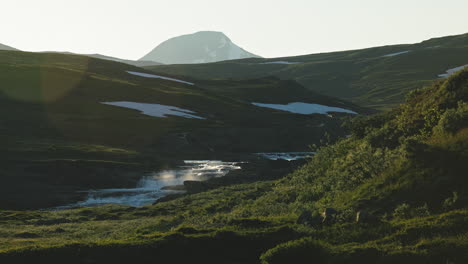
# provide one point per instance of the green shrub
(453, 119)
(422, 211)
(402, 211)
(405, 211)
(450, 202)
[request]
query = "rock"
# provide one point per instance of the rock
(51, 221)
(26, 235)
(187, 230)
(361, 216)
(174, 188)
(59, 230)
(364, 217)
(328, 215)
(195, 186)
(169, 197)
(306, 218)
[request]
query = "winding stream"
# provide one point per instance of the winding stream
(149, 188)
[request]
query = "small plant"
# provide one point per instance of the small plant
(402, 211)
(422, 211)
(405, 211)
(450, 202)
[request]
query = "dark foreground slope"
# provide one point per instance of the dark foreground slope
(57, 136)
(376, 77)
(404, 171)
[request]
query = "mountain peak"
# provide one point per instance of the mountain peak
(199, 47)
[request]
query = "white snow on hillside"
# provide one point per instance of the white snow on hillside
(396, 53)
(156, 110)
(452, 71)
(280, 62)
(305, 108)
(147, 75)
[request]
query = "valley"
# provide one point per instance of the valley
(70, 133)
(345, 157)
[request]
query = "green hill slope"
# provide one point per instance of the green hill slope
(404, 171)
(375, 77)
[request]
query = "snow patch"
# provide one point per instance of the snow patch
(396, 53)
(156, 110)
(305, 108)
(452, 71)
(280, 62)
(147, 75)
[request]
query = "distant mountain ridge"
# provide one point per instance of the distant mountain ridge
(377, 77)
(5, 47)
(200, 47)
(142, 63)
(138, 63)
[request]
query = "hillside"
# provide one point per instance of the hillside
(63, 129)
(200, 47)
(394, 192)
(375, 77)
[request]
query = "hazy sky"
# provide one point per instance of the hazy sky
(270, 28)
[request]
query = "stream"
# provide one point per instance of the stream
(151, 186)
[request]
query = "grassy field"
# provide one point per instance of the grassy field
(403, 170)
(365, 77)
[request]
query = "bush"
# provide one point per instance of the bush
(405, 211)
(453, 119)
(402, 211)
(450, 202)
(422, 211)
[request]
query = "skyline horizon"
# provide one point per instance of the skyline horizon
(140, 57)
(129, 29)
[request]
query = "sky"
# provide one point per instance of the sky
(270, 28)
